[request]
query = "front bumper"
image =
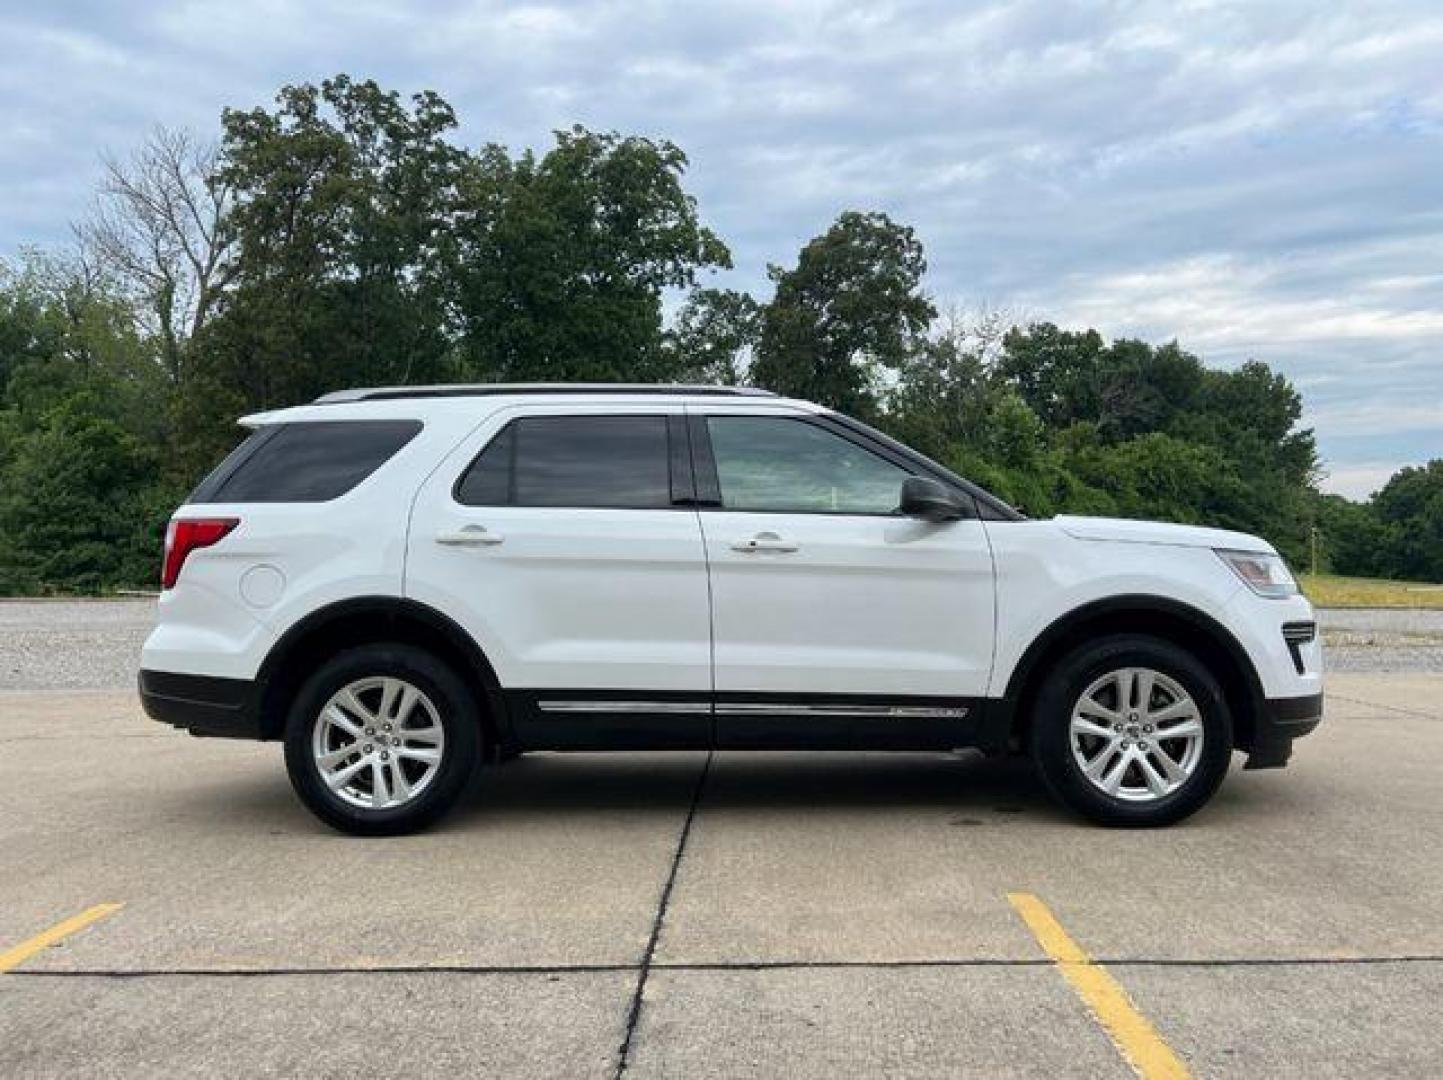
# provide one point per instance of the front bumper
(1279, 722)
(202, 704)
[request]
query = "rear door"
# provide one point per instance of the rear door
(836, 621)
(566, 542)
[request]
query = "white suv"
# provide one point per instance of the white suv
(402, 583)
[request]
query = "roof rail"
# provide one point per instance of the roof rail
(387, 393)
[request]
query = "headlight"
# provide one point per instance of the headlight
(1266, 575)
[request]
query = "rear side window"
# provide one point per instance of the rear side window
(311, 461)
(616, 462)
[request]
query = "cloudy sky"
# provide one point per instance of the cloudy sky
(1256, 179)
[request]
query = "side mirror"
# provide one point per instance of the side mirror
(930, 500)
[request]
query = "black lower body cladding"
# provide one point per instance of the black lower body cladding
(1280, 721)
(202, 704)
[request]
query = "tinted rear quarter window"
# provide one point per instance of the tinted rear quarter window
(613, 462)
(310, 461)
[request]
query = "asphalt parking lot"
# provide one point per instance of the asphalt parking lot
(685, 915)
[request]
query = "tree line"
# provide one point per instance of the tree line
(342, 237)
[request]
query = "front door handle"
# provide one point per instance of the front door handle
(470, 536)
(765, 541)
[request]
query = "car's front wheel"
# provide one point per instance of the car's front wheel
(382, 740)
(1132, 730)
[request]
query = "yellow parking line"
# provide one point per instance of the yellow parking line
(1135, 1038)
(13, 957)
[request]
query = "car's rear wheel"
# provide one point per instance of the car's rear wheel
(1132, 730)
(382, 740)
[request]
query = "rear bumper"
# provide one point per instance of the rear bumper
(202, 704)
(1280, 721)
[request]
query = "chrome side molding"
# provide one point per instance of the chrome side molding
(758, 708)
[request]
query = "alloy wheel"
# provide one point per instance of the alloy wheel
(378, 743)
(1136, 734)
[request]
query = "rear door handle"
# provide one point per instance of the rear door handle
(765, 541)
(470, 536)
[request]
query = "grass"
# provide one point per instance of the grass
(1328, 590)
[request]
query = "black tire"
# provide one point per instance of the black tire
(455, 707)
(1051, 741)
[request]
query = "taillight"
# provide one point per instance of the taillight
(185, 535)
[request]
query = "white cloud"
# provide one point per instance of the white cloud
(1386, 417)
(1359, 481)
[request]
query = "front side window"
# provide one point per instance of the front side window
(618, 462)
(776, 464)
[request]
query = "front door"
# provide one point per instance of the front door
(835, 620)
(567, 545)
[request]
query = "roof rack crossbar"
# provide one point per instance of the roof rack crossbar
(388, 393)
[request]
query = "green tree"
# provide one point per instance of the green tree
(1351, 538)
(948, 387)
(852, 308)
(343, 194)
(714, 336)
(65, 331)
(558, 263)
(1056, 372)
(26, 331)
(1409, 509)
(1126, 388)
(83, 497)
(79, 504)
(1233, 454)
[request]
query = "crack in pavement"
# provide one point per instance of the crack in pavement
(633, 1014)
(702, 967)
(71, 738)
(1386, 708)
